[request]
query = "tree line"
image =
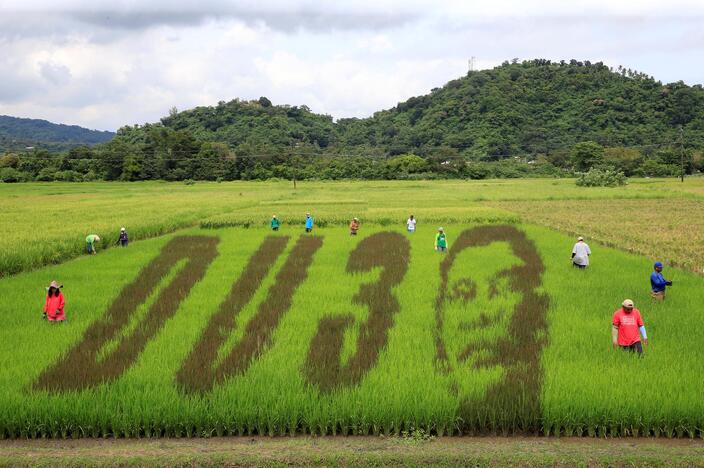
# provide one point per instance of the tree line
(522, 119)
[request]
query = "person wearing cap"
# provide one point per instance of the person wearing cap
(440, 241)
(54, 305)
(581, 253)
(309, 222)
(658, 283)
(627, 328)
(354, 226)
(411, 225)
(91, 239)
(124, 238)
(274, 223)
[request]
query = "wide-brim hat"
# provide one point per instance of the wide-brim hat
(54, 284)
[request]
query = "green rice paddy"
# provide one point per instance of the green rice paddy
(243, 331)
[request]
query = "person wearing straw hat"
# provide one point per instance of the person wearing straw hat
(581, 253)
(124, 239)
(275, 223)
(54, 305)
(354, 227)
(440, 241)
(658, 283)
(627, 327)
(309, 222)
(91, 239)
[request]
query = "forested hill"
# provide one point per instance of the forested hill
(17, 133)
(532, 118)
(536, 107)
(533, 107)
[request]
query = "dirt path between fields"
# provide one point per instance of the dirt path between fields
(249, 451)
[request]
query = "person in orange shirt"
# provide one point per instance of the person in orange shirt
(627, 327)
(54, 305)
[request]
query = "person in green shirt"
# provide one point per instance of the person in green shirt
(90, 243)
(440, 241)
(274, 223)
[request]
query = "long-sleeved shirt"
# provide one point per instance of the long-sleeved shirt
(123, 236)
(657, 282)
(274, 223)
(580, 253)
(54, 306)
(309, 223)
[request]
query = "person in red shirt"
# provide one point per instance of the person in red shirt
(54, 305)
(627, 327)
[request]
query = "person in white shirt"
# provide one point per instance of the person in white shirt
(581, 253)
(411, 224)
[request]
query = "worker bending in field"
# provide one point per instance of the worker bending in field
(274, 223)
(309, 222)
(91, 239)
(354, 227)
(581, 253)
(54, 305)
(440, 241)
(124, 239)
(627, 327)
(658, 283)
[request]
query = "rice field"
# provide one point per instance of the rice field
(46, 223)
(238, 330)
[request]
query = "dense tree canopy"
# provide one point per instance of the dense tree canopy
(534, 118)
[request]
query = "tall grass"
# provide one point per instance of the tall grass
(584, 386)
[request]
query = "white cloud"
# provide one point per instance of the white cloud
(104, 65)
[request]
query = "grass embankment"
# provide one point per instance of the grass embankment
(354, 451)
(46, 223)
(435, 362)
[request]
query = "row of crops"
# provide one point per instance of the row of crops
(244, 331)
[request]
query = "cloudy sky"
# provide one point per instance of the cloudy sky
(106, 64)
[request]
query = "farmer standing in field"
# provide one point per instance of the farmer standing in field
(626, 328)
(91, 239)
(354, 226)
(124, 238)
(658, 283)
(440, 241)
(54, 305)
(274, 223)
(411, 225)
(309, 222)
(580, 253)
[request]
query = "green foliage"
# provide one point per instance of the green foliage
(17, 133)
(586, 155)
(10, 174)
(564, 115)
(601, 177)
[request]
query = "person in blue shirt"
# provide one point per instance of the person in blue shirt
(309, 223)
(275, 223)
(658, 283)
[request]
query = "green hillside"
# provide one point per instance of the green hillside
(517, 108)
(18, 133)
(516, 120)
